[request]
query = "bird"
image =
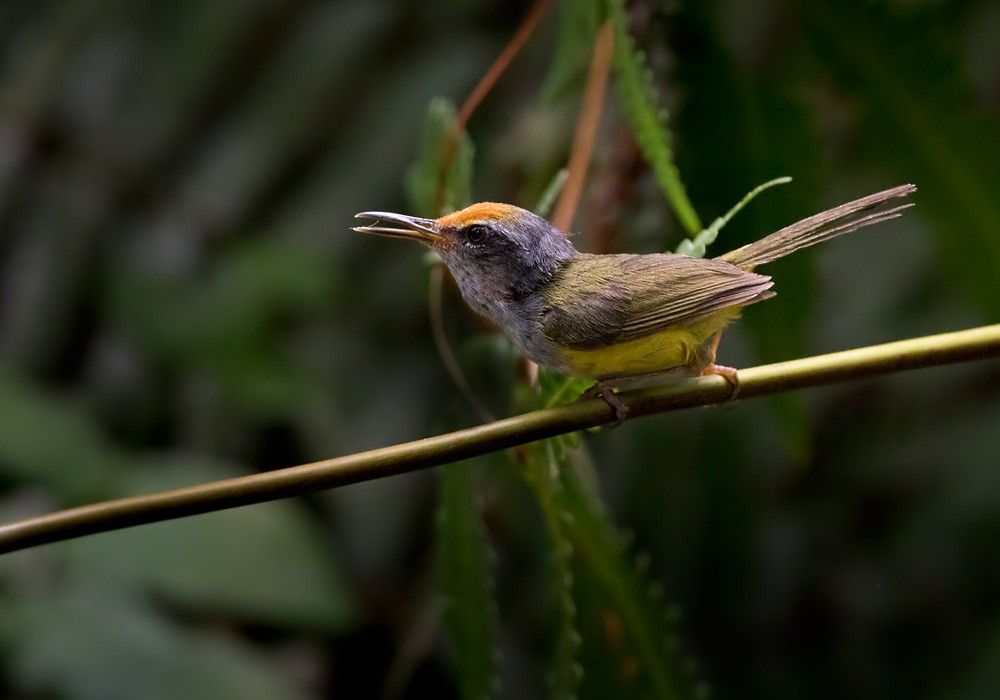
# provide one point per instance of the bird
(617, 319)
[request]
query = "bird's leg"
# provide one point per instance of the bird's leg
(706, 360)
(730, 374)
(606, 390)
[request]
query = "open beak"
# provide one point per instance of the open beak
(413, 228)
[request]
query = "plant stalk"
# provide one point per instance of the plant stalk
(929, 351)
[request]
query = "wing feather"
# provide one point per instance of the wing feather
(599, 300)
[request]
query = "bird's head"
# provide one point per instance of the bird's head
(495, 251)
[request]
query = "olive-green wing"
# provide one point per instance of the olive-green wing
(598, 300)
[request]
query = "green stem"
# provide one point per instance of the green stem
(696, 246)
(948, 348)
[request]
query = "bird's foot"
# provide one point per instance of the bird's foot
(606, 391)
(729, 373)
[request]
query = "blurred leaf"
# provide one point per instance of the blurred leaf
(45, 439)
(556, 389)
(640, 104)
(578, 24)
(541, 469)
(233, 321)
(266, 564)
(641, 643)
(920, 117)
(86, 643)
(268, 277)
(440, 179)
(466, 561)
(551, 192)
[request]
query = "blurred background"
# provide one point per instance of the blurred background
(181, 300)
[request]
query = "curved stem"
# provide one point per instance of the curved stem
(948, 348)
(436, 309)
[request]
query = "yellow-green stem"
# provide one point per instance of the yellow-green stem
(948, 348)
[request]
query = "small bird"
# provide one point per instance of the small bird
(616, 319)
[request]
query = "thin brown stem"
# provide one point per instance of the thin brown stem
(486, 83)
(492, 75)
(435, 309)
(586, 126)
(948, 348)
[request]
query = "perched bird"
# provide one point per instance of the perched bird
(612, 318)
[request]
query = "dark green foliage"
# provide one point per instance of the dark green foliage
(440, 180)
(77, 467)
(640, 645)
(911, 109)
(297, 587)
(541, 469)
(89, 630)
(641, 107)
(91, 642)
(466, 562)
(769, 132)
(235, 321)
(578, 24)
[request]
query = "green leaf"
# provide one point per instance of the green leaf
(553, 389)
(640, 104)
(265, 564)
(578, 24)
(556, 388)
(46, 439)
(470, 614)
(434, 186)
(90, 643)
(697, 247)
(551, 192)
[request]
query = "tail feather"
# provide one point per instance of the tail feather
(831, 223)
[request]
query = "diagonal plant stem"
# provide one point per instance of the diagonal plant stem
(486, 83)
(929, 351)
(586, 127)
(489, 79)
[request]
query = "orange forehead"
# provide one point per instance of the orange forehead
(483, 211)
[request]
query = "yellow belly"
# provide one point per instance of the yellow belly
(667, 349)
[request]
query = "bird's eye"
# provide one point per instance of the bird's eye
(476, 233)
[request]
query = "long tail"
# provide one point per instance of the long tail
(831, 223)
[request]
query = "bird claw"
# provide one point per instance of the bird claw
(607, 392)
(728, 373)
